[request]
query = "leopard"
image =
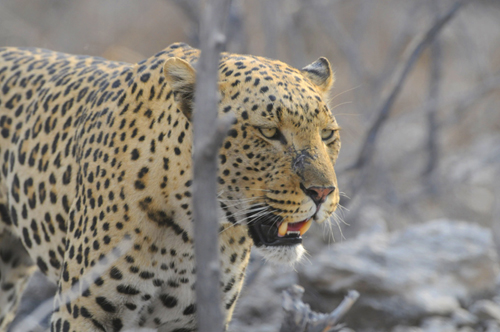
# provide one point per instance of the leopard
(96, 180)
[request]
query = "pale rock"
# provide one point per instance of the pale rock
(466, 329)
(462, 317)
(402, 277)
(401, 328)
(438, 324)
(492, 326)
(486, 310)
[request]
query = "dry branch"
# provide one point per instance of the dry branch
(435, 75)
(209, 133)
(368, 147)
(300, 318)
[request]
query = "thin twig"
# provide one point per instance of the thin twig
(367, 151)
(344, 306)
(206, 147)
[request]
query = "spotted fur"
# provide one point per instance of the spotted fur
(96, 172)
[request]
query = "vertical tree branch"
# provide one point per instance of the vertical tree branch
(433, 102)
(208, 136)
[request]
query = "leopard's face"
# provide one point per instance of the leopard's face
(276, 167)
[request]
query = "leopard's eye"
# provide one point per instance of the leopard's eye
(327, 134)
(270, 133)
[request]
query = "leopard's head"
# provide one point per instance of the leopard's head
(276, 166)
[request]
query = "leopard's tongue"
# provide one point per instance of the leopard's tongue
(301, 227)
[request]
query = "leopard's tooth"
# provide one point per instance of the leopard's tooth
(283, 228)
(305, 227)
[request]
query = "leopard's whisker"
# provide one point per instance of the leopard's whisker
(343, 92)
(261, 212)
(244, 213)
(341, 104)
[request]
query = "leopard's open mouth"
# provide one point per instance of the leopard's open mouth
(272, 230)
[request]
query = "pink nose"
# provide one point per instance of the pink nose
(318, 194)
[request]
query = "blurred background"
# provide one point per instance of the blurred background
(419, 231)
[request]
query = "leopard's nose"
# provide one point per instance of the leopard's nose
(318, 194)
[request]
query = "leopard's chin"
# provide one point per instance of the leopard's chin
(277, 240)
(282, 254)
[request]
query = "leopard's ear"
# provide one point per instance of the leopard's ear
(181, 77)
(320, 74)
